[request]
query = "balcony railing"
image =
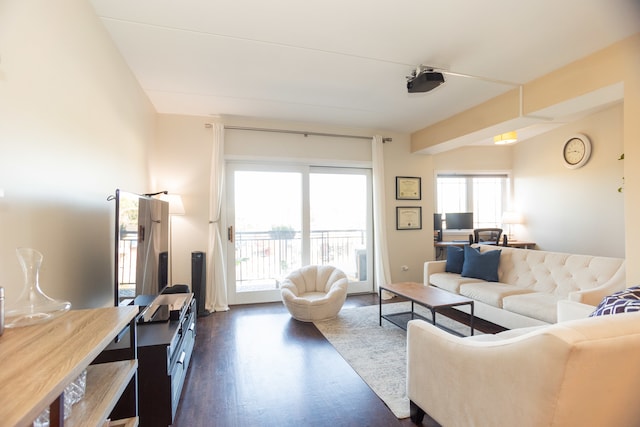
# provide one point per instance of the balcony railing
(128, 253)
(264, 258)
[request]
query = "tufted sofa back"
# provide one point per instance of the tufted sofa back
(557, 273)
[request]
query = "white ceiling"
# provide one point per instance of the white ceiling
(344, 62)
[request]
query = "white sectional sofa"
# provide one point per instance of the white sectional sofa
(531, 283)
(574, 373)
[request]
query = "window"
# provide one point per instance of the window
(483, 194)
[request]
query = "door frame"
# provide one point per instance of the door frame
(273, 295)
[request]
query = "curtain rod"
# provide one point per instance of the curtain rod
(298, 132)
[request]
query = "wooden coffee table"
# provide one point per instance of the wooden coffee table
(427, 296)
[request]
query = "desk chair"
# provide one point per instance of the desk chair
(487, 236)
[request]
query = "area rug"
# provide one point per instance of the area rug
(378, 353)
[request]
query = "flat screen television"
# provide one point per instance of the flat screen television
(459, 220)
(141, 248)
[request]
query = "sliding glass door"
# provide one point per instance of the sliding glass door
(281, 218)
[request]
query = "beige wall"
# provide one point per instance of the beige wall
(618, 63)
(74, 126)
(408, 247)
(580, 210)
(574, 211)
(182, 164)
(183, 156)
(631, 137)
(184, 150)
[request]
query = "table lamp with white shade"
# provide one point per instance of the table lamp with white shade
(510, 218)
(176, 207)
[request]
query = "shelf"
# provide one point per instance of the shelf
(105, 383)
(129, 422)
(39, 361)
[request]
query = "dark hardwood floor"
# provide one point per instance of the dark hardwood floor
(256, 366)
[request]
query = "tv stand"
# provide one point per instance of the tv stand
(164, 353)
(154, 313)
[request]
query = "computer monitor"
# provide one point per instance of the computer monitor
(459, 220)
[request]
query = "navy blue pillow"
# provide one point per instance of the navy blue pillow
(481, 265)
(620, 302)
(455, 259)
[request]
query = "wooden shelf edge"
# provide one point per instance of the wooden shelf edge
(105, 384)
(39, 361)
(128, 422)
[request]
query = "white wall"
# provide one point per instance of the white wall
(577, 211)
(74, 126)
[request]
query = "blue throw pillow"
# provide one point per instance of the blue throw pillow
(455, 259)
(619, 302)
(481, 265)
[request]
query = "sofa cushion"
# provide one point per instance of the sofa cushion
(555, 272)
(455, 259)
(538, 305)
(449, 281)
(620, 302)
(481, 265)
(490, 293)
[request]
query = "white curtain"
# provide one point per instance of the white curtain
(382, 273)
(216, 267)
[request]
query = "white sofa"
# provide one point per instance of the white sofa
(575, 373)
(531, 283)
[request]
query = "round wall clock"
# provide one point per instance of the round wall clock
(576, 151)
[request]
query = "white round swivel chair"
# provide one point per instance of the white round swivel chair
(314, 292)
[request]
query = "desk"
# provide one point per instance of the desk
(442, 246)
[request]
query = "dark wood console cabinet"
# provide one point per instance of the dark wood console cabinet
(164, 353)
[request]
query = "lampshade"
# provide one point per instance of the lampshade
(175, 203)
(506, 138)
(511, 217)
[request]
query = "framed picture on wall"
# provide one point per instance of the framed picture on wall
(408, 188)
(408, 218)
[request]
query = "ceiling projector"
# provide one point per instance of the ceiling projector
(424, 81)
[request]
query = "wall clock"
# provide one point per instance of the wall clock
(576, 151)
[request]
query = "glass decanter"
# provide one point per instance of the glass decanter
(32, 306)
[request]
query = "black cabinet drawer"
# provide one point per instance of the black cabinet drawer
(164, 353)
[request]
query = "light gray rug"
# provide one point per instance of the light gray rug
(378, 353)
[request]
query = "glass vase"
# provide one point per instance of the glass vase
(32, 306)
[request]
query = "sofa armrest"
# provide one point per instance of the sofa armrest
(572, 310)
(432, 267)
(595, 295)
(474, 372)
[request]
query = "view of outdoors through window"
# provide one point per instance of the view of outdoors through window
(282, 223)
(484, 195)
